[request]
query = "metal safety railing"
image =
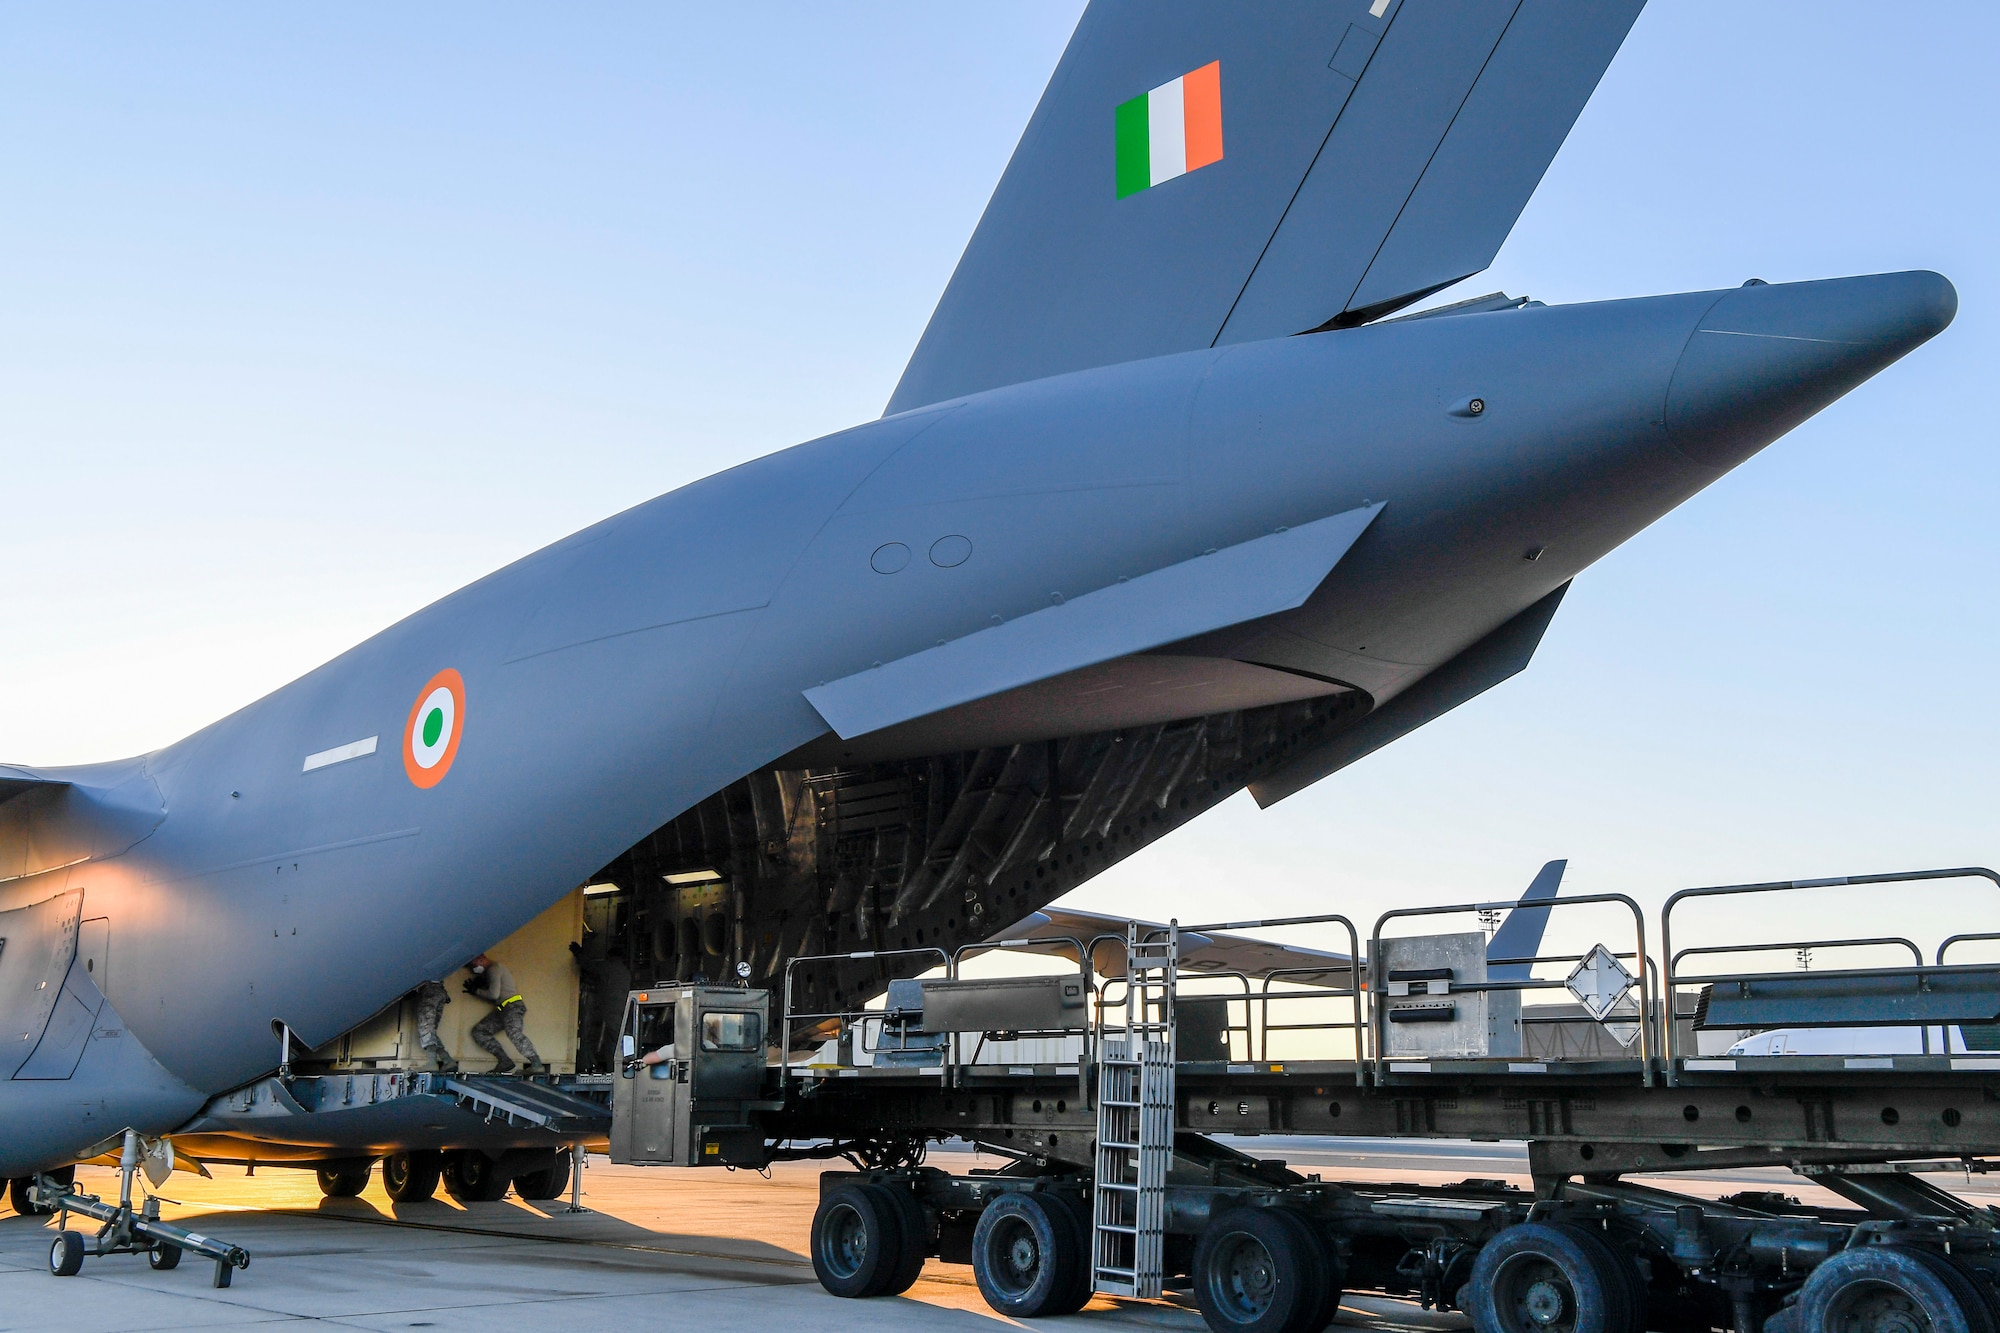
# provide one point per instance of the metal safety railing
(870, 1029)
(1648, 1004)
(1921, 977)
(1261, 1010)
(1258, 1047)
(847, 1019)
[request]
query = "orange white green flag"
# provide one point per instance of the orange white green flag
(1172, 130)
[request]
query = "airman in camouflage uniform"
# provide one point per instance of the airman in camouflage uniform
(431, 1000)
(495, 984)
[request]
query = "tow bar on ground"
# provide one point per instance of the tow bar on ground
(127, 1230)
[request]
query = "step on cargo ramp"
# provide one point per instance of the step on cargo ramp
(1135, 1121)
(522, 1104)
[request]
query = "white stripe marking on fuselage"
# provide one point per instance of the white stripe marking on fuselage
(339, 753)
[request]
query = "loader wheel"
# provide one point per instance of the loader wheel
(1260, 1270)
(412, 1177)
(1084, 1285)
(914, 1245)
(1025, 1256)
(1890, 1289)
(1334, 1280)
(66, 1254)
(469, 1177)
(1538, 1278)
(857, 1240)
(344, 1179)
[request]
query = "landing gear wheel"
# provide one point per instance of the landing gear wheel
(164, 1258)
(1887, 1289)
(345, 1179)
(548, 1183)
(412, 1177)
(1537, 1278)
(66, 1254)
(1260, 1270)
(469, 1177)
(857, 1240)
(1025, 1255)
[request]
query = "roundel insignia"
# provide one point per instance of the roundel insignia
(430, 739)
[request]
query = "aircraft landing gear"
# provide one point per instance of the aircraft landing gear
(470, 1177)
(548, 1183)
(344, 1179)
(412, 1177)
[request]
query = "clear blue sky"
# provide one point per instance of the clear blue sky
(309, 316)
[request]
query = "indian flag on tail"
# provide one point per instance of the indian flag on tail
(1171, 130)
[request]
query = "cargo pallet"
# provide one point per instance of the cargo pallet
(1116, 1185)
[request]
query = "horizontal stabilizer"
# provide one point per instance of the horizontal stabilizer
(1261, 577)
(1502, 654)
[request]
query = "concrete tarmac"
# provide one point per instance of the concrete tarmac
(705, 1249)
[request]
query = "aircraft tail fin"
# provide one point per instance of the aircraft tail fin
(1199, 173)
(1520, 935)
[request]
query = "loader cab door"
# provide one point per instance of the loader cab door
(729, 1045)
(645, 1103)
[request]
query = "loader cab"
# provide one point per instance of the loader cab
(690, 1105)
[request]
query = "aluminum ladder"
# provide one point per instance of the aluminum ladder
(1135, 1120)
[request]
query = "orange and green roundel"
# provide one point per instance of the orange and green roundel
(437, 719)
(1170, 131)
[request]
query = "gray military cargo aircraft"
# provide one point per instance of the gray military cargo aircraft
(1165, 506)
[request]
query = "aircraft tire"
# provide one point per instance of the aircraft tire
(345, 1179)
(66, 1254)
(548, 1183)
(469, 1177)
(412, 1177)
(163, 1258)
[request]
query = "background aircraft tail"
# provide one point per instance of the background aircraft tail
(1199, 174)
(1520, 935)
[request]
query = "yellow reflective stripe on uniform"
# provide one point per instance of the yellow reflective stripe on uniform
(511, 999)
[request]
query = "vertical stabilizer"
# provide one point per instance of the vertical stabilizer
(1520, 935)
(1201, 172)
